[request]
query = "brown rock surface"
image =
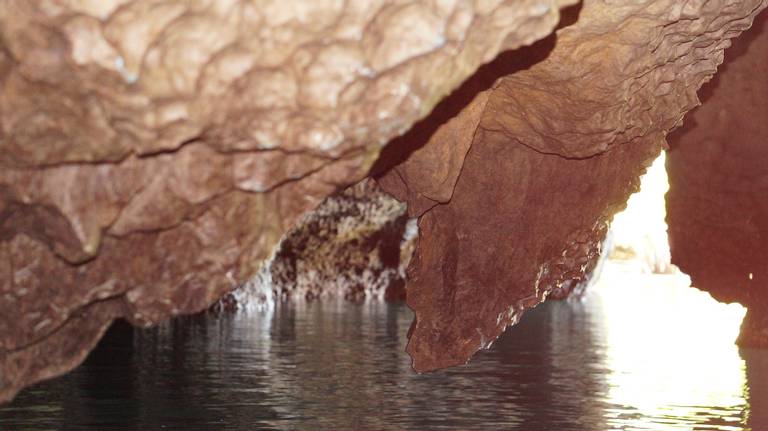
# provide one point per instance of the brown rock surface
(152, 153)
(717, 210)
(354, 245)
(555, 151)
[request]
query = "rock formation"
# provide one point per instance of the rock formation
(153, 153)
(550, 153)
(355, 244)
(718, 173)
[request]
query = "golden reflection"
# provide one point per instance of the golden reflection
(670, 348)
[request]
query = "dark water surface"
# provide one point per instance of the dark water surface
(606, 362)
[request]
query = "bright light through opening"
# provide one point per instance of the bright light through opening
(640, 232)
(669, 344)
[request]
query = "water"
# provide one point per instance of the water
(607, 362)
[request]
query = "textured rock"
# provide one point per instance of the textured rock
(355, 244)
(556, 149)
(718, 172)
(152, 153)
(578, 286)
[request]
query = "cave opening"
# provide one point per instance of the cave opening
(630, 350)
(648, 302)
(217, 203)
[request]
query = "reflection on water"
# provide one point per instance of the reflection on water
(670, 353)
(637, 353)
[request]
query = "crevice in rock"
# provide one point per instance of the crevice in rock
(506, 63)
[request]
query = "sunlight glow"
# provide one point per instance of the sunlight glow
(640, 232)
(656, 325)
(671, 347)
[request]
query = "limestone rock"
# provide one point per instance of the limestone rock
(718, 173)
(354, 245)
(556, 149)
(153, 153)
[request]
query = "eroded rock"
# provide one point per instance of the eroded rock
(355, 244)
(555, 151)
(718, 172)
(152, 154)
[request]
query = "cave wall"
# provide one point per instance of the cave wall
(154, 153)
(550, 154)
(717, 205)
(355, 245)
